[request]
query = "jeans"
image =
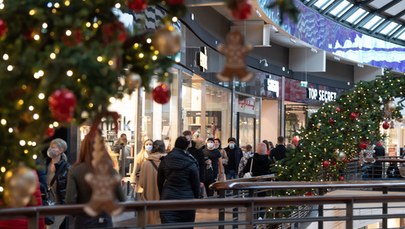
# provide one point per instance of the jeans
(232, 174)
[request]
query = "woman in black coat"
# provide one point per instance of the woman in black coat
(178, 179)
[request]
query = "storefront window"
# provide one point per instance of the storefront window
(206, 109)
(247, 119)
(160, 122)
(218, 112)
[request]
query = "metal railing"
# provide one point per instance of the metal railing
(247, 208)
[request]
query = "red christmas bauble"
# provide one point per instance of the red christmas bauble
(62, 104)
(175, 2)
(137, 5)
(50, 132)
(386, 125)
(353, 115)
(338, 109)
(341, 178)
(114, 31)
(73, 39)
(295, 140)
(363, 145)
(242, 11)
(161, 93)
(3, 28)
(325, 164)
(309, 193)
(331, 121)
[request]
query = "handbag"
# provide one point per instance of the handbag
(249, 174)
(47, 201)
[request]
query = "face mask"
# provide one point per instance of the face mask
(231, 146)
(210, 145)
(52, 153)
(148, 148)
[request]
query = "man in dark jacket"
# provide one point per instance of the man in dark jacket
(178, 179)
(234, 154)
(280, 151)
(197, 154)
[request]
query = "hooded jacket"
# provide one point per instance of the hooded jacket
(178, 176)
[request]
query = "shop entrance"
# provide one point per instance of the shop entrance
(296, 116)
(246, 129)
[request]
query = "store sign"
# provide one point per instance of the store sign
(247, 105)
(272, 86)
(202, 60)
(321, 95)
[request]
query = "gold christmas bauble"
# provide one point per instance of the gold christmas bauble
(133, 81)
(318, 125)
(167, 40)
(19, 186)
(390, 106)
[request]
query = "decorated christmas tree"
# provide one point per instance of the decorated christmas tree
(342, 129)
(62, 61)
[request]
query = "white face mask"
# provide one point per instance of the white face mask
(210, 145)
(52, 153)
(148, 148)
(231, 146)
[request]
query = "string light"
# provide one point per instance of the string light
(22, 143)
(41, 96)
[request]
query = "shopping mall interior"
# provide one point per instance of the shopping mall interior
(326, 76)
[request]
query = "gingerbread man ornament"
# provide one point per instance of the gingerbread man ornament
(102, 182)
(235, 51)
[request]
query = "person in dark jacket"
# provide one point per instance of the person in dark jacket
(260, 160)
(377, 166)
(214, 169)
(234, 154)
(57, 168)
(178, 178)
(280, 151)
(197, 154)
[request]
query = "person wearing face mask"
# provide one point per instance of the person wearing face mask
(214, 169)
(234, 154)
(57, 168)
(217, 145)
(148, 182)
(139, 159)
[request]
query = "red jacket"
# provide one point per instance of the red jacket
(23, 223)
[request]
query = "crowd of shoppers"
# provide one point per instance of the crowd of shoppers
(185, 172)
